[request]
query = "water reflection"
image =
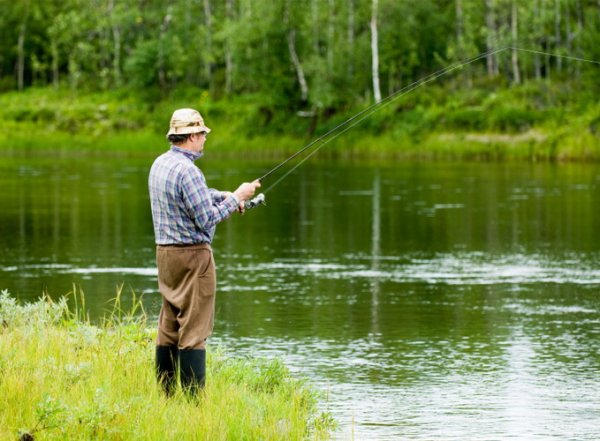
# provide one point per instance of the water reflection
(427, 301)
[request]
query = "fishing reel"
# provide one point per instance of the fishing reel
(255, 201)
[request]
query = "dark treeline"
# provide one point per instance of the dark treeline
(299, 55)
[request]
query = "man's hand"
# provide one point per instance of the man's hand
(245, 192)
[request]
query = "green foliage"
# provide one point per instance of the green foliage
(103, 76)
(42, 313)
(512, 119)
(556, 119)
(141, 65)
(241, 47)
(467, 118)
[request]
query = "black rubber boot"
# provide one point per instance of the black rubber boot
(166, 367)
(192, 365)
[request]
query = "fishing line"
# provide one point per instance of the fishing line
(365, 113)
(359, 117)
(567, 57)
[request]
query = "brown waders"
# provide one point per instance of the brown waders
(187, 282)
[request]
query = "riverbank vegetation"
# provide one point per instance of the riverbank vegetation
(530, 122)
(62, 377)
(270, 76)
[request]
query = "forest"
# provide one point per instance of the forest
(298, 68)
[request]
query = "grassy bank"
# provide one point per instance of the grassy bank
(64, 378)
(536, 121)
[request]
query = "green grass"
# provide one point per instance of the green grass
(62, 377)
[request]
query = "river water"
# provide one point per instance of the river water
(443, 301)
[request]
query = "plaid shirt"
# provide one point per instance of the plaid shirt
(184, 209)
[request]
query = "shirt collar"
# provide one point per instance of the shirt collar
(187, 153)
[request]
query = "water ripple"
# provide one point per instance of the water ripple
(449, 269)
(461, 269)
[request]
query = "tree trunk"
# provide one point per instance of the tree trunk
(117, 55)
(330, 36)
(351, 40)
(537, 65)
(291, 40)
(492, 68)
(21, 55)
(568, 33)
(460, 38)
(55, 63)
(459, 29)
(514, 33)
(116, 34)
(162, 75)
(578, 40)
(557, 38)
(315, 26)
(375, 52)
(74, 71)
(291, 37)
(208, 24)
(228, 56)
(569, 38)
(546, 46)
(246, 15)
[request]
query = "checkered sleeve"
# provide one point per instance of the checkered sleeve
(199, 202)
(217, 195)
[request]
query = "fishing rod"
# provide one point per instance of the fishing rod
(368, 111)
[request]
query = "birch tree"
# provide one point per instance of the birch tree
(458, 9)
(330, 36)
(557, 33)
(461, 37)
(291, 41)
(538, 32)
(228, 49)
(331, 53)
(208, 25)
(21, 46)
(315, 21)
(515, 35)
(490, 21)
(350, 40)
(375, 52)
(578, 36)
(116, 34)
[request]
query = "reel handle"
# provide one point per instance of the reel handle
(255, 201)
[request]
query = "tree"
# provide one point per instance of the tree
(375, 52)
(326, 55)
(490, 21)
(291, 41)
(515, 39)
(228, 50)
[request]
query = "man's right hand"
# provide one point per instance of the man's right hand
(246, 190)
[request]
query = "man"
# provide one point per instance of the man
(185, 213)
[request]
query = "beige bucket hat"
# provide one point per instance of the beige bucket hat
(185, 121)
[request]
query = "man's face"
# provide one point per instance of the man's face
(200, 139)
